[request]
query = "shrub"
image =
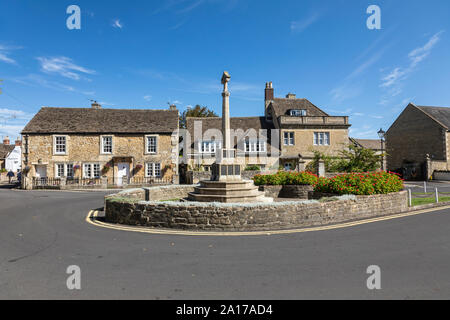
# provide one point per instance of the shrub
(286, 178)
(253, 168)
(361, 183)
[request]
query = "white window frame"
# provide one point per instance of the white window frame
(212, 146)
(255, 146)
(92, 170)
(289, 136)
(65, 170)
(55, 149)
(151, 169)
(102, 145)
(147, 145)
(298, 113)
(321, 138)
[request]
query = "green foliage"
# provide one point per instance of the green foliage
(361, 183)
(253, 168)
(286, 178)
(355, 159)
(198, 111)
(3, 170)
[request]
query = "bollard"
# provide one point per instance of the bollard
(409, 198)
(425, 187)
(436, 195)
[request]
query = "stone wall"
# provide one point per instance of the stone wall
(289, 191)
(194, 177)
(441, 175)
(248, 217)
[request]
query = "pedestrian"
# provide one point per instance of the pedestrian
(10, 175)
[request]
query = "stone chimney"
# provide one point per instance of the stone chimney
(6, 140)
(96, 105)
(269, 95)
(18, 143)
(172, 107)
(291, 96)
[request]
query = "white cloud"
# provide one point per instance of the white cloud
(63, 66)
(301, 25)
(34, 80)
(5, 54)
(147, 97)
(11, 131)
(117, 24)
(190, 7)
(416, 56)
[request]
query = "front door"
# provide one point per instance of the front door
(41, 171)
(123, 173)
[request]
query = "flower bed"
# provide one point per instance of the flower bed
(282, 178)
(360, 183)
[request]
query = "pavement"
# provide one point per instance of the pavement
(42, 233)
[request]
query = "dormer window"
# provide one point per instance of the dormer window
(298, 113)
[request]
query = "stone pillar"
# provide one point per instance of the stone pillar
(428, 168)
(175, 179)
(301, 164)
(104, 182)
(62, 183)
(321, 168)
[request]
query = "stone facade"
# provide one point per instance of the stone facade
(83, 148)
(247, 217)
(412, 136)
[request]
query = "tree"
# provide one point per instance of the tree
(198, 111)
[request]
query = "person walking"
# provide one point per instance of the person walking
(10, 175)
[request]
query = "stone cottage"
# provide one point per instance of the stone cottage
(417, 143)
(88, 143)
(287, 135)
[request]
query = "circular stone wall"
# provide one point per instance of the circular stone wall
(147, 207)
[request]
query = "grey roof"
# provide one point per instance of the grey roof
(5, 149)
(439, 114)
(90, 120)
(373, 144)
(282, 106)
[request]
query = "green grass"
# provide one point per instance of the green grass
(176, 200)
(420, 201)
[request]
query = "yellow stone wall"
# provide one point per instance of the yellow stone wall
(304, 142)
(86, 149)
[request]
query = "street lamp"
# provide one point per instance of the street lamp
(382, 135)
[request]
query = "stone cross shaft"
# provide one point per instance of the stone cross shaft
(226, 112)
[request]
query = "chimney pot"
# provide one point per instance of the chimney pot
(6, 140)
(96, 105)
(18, 143)
(269, 93)
(172, 107)
(291, 96)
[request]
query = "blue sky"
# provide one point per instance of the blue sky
(144, 54)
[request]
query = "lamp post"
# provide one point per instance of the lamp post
(382, 135)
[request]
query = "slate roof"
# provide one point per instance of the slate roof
(439, 114)
(243, 123)
(373, 144)
(282, 106)
(5, 149)
(90, 120)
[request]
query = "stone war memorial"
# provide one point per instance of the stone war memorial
(226, 184)
(227, 202)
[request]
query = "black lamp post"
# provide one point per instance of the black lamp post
(382, 135)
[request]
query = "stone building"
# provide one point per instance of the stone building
(287, 135)
(418, 142)
(89, 143)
